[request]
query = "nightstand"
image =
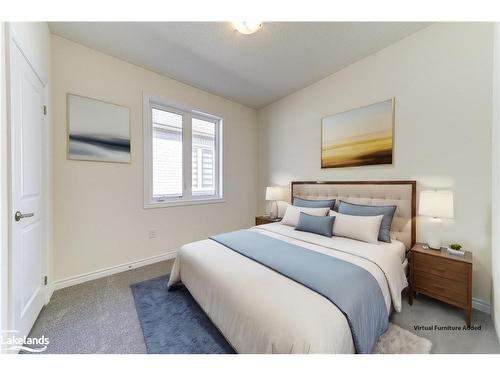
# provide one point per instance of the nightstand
(442, 276)
(259, 220)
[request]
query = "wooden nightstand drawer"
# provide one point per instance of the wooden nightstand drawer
(448, 269)
(454, 291)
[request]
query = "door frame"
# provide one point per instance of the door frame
(12, 41)
(4, 229)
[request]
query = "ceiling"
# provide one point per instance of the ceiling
(253, 70)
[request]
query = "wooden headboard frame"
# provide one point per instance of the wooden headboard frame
(400, 182)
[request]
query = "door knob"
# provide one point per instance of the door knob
(18, 215)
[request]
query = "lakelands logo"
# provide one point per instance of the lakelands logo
(436, 327)
(11, 342)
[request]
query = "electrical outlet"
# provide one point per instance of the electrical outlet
(153, 233)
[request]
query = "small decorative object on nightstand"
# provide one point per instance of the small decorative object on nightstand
(443, 276)
(456, 249)
(259, 220)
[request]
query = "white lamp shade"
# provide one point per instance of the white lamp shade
(436, 204)
(274, 193)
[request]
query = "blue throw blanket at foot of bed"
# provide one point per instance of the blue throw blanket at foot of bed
(351, 288)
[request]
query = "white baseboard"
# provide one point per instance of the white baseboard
(480, 305)
(74, 280)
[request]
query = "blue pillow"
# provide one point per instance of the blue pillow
(313, 203)
(316, 224)
(384, 233)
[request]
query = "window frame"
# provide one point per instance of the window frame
(150, 102)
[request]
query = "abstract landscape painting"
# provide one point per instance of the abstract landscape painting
(97, 130)
(362, 136)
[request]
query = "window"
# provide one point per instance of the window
(203, 159)
(182, 152)
(167, 153)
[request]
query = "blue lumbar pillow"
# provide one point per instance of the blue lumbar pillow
(384, 233)
(314, 203)
(322, 225)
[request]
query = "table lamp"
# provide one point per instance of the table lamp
(437, 204)
(274, 194)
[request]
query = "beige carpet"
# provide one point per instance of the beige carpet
(397, 340)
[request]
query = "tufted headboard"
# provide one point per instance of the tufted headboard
(375, 193)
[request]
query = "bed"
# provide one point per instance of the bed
(259, 310)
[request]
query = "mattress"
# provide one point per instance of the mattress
(261, 311)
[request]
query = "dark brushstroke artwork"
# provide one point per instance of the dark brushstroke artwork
(97, 131)
(94, 146)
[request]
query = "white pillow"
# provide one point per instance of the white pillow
(361, 228)
(292, 214)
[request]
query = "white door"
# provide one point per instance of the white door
(28, 222)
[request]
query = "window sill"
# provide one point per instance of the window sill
(191, 202)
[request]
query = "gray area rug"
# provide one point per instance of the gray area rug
(173, 323)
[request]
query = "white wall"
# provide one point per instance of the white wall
(98, 208)
(495, 249)
(441, 79)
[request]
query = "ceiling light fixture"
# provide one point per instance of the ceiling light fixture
(247, 27)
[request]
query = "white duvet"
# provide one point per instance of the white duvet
(260, 311)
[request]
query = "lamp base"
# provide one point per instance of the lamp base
(434, 234)
(273, 214)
